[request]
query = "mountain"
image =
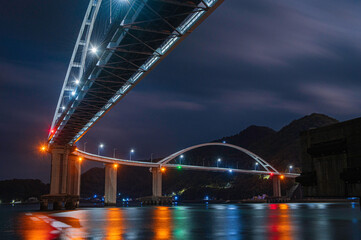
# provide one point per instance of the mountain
(280, 148)
(249, 136)
(283, 148)
(22, 189)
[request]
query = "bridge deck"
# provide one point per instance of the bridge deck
(134, 46)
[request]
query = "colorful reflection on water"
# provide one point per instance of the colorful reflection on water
(227, 221)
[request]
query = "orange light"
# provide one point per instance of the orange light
(162, 169)
(115, 165)
(80, 159)
(43, 148)
(76, 149)
(282, 177)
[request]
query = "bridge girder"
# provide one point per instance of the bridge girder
(136, 43)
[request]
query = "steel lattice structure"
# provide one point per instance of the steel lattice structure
(133, 44)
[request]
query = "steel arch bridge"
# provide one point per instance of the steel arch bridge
(268, 169)
(119, 43)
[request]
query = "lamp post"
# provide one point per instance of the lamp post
(290, 168)
(114, 150)
(256, 166)
(218, 161)
(130, 154)
(180, 159)
(100, 147)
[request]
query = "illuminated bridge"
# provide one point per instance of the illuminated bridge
(119, 43)
(135, 35)
(158, 167)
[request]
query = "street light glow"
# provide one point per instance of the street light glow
(94, 50)
(80, 159)
(101, 145)
(182, 156)
(132, 150)
(115, 165)
(43, 148)
(219, 160)
(256, 163)
(291, 167)
(162, 169)
(77, 81)
(282, 177)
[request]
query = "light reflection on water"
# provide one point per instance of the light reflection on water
(231, 221)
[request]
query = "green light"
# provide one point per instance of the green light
(179, 167)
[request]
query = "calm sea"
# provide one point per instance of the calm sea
(215, 221)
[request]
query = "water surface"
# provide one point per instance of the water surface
(219, 221)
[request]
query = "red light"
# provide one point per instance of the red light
(271, 174)
(52, 131)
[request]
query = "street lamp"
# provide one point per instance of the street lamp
(256, 166)
(130, 153)
(290, 168)
(114, 149)
(94, 50)
(100, 147)
(180, 158)
(218, 161)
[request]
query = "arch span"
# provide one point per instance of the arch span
(261, 161)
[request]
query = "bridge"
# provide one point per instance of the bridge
(119, 43)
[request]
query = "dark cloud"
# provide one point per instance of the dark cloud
(260, 62)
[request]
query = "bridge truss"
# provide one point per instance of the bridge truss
(140, 34)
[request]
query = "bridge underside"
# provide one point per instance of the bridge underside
(134, 46)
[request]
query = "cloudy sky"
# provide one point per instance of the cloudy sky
(263, 62)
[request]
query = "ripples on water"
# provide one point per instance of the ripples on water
(218, 221)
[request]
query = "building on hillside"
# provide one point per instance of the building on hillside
(331, 160)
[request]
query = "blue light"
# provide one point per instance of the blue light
(224, 142)
(95, 196)
(230, 170)
(206, 198)
(176, 198)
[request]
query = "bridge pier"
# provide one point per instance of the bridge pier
(157, 181)
(65, 179)
(110, 190)
(276, 186)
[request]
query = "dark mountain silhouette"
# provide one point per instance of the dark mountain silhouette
(22, 189)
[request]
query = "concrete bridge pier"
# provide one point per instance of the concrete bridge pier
(65, 179)
(157, 181)
(110, 190)
(276, 186)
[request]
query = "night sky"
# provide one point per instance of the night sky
(263, 62)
